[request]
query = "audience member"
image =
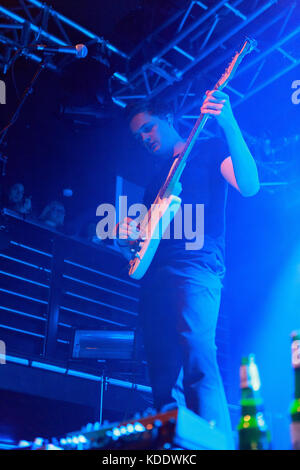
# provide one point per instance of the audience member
(16, 200)
(53, 215)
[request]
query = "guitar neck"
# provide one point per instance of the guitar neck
(179, 163)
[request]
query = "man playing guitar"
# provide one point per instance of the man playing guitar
(180, 294)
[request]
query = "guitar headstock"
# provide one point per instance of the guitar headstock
(247, 47)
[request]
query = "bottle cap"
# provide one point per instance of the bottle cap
(245, 361)
(295, 334)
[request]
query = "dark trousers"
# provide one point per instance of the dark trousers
(178, 315)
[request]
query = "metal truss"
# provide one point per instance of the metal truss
(252, 76)
(201, 42)
(31, 21)
(201, 47)
(177, 62)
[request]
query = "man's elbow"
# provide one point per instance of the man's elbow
(251, 190)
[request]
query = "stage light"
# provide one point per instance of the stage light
(67, 192)
(119, 102)
(120, 77)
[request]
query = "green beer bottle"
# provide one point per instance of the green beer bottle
(295, 405)
(252, 429)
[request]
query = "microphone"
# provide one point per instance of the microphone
(80, 50)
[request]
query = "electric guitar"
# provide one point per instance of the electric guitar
(167, 201)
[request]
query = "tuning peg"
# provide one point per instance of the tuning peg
(24, 444)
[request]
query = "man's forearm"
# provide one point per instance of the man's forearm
(244, 166)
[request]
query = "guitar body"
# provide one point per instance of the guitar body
(159, 217)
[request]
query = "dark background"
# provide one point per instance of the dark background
(49, 152)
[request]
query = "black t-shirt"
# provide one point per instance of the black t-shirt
(202, 183)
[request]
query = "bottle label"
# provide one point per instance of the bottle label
(245, 377)
(296, 354)
(295, 435)
(249, 377)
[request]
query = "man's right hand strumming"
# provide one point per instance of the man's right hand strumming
(127, 235)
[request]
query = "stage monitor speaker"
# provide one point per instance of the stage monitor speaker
(103, 344)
